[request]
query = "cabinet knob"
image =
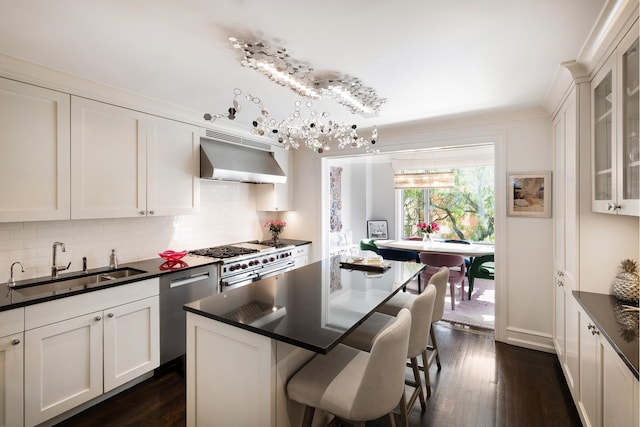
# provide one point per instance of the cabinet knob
(15, 342)
(617, 207)
(590, 326)
(142, 213)
(609, 206)
(561, 273)
(110, 315)
(560, 283)
(97, 318)
(151, 212)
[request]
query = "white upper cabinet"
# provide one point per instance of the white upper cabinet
(276, 197)
(173, 164)
(34, 164)
(108, 160)
(126, 163)
(615, 146)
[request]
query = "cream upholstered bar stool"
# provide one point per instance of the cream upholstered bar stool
(356, 385)
(421, 307)
(439, 280)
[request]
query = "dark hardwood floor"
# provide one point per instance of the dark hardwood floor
(482, 383)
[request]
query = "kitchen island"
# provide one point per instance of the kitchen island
(244, 345)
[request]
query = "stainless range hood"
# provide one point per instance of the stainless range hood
(227, 160)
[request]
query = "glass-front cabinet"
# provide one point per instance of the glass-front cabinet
(616, 148)
(630, 119)
(603, 135)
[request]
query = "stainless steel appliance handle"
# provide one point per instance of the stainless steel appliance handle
(282, 268)
(240, 279)
(190, 279)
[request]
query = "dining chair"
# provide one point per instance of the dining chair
(398, 255)
(482, 268)
(421, 307)
(368, 246)
(457, 270)
(467, 261)
(355, 385)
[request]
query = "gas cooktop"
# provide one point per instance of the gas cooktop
(234, 250)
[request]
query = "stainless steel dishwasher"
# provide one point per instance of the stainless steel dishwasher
(177, 289)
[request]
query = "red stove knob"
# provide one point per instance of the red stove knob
(264, 261)
(272, 259)
(244, 266)
(237, 266)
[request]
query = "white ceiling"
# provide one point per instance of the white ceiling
(428, 58)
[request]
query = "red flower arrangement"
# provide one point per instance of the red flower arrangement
(428, 228)
(275, 225)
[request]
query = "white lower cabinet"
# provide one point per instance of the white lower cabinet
(11, 367)
(301, 255)
(70, 361)
(131, 341)
(608, 391)
(63, 366)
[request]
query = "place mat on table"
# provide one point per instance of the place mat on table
(365, 266)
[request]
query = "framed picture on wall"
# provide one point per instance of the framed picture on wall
(377, 229)
(529, 194)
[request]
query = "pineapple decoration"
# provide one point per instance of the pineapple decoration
(626, 287)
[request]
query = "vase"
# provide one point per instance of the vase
(275, 237)
(426, 238)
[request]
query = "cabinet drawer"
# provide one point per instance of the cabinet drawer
(11, 322)
(65, 308)
(302, 250)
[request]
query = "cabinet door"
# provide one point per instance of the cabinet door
(62, 366)
(628, 179)
(617, 388)
(588, 383)
(173, 168)
(276, 197)
(108, 160)
(34, 165)
(572, 343)
(131, 341)
(603, 167)
(11, 387)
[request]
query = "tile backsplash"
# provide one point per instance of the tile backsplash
(227, 215)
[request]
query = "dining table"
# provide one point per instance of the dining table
(473, 249)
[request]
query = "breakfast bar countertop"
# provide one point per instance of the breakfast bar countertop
(312, 307)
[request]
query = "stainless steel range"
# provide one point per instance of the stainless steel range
(243, 263)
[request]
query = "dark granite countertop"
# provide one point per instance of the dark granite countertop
(313, 307)
(13, 298)
(605, 311)
(295, 242)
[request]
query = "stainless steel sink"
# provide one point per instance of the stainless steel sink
(70, 284)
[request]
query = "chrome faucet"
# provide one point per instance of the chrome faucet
(54, 267)
(12, 282)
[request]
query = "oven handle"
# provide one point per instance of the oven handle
(190, 279)
(282, 268)
(244, 280)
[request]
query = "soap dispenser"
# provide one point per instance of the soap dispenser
(113, 260)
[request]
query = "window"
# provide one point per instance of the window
(465, 211)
